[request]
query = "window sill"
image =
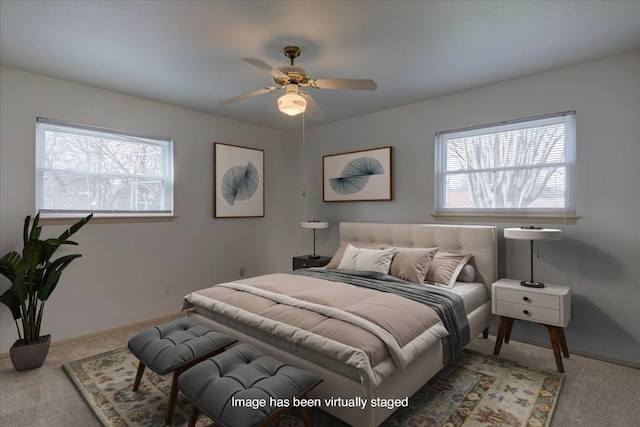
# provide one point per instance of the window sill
(106, 220)
(535, 219)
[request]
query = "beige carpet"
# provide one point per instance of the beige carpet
(594, 393)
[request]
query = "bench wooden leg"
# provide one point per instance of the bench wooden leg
(306, 416)
(173, 396)
(194, 416)
(136, 383)
(485, 333)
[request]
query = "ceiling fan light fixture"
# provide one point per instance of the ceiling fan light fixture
(292, 104)
(291, 78)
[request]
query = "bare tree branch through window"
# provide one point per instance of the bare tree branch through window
(82, 169)
(526, 166)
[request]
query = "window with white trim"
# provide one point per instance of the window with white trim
(521, 167)
(82, 169)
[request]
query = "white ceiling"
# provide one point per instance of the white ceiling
(189, 53)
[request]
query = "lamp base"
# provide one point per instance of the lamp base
(313, 256)
(529, 284)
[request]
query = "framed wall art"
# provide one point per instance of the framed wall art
(357, 176)
(238, 181)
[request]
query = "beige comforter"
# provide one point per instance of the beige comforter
(375, 332)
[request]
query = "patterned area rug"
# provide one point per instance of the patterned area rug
(478, 391)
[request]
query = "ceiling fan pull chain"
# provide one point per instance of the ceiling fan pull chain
(304, 192)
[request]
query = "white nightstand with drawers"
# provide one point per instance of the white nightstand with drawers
(550, 306)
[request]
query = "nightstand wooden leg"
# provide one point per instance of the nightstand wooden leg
(502, 330)
(555, 344)
(563, 342)
(485, 333)
(507, 336)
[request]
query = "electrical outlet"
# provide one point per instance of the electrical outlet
(241, 272)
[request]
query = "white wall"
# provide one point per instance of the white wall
(598, 257)
(123, 274)
(126, 268)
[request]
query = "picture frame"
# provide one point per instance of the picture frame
(238, 181)
(364, 175)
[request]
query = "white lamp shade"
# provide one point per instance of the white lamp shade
(314, 224)
(533, 233)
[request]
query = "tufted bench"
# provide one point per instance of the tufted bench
(174, 347)
(240, 388)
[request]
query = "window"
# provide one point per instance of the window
(520, 167)
(82, 169)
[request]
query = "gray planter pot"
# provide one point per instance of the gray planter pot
(29, 356)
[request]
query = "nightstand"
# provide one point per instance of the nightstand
(549, 306)
(306, 261)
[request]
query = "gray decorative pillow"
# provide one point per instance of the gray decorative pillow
(412, 264)
(467, 274)
(445, 268)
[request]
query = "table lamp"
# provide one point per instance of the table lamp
(531, 234)
(314, 225)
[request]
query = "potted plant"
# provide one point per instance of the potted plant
(34, 276)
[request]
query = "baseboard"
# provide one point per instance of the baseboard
(154, 320)
(598, 357)
(172, 316)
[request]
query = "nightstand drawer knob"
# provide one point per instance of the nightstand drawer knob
(526, 299)
(526, 312)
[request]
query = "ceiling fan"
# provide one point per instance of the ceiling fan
(292, 79)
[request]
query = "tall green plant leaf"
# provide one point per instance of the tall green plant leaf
(49, 248)
(12, 267)
(63, 238)
(75, 227)
(58, 242)
(52, 276)
(32, 253)
(25, 230)
(9, 299)
(16, 295)
(11, 264)
(35, 228)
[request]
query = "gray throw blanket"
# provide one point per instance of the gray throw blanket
(448, 305)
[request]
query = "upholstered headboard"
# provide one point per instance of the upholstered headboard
(479, 240)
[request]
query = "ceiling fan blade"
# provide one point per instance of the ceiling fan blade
(313, 111)
(253, 93)
(350, 84)
(265, 67)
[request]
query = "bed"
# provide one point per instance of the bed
(366, 344)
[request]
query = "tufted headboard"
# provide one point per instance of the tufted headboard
(479, 240)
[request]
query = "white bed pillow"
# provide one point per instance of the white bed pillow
(348, 259)
(363, 259)
(337, 256)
